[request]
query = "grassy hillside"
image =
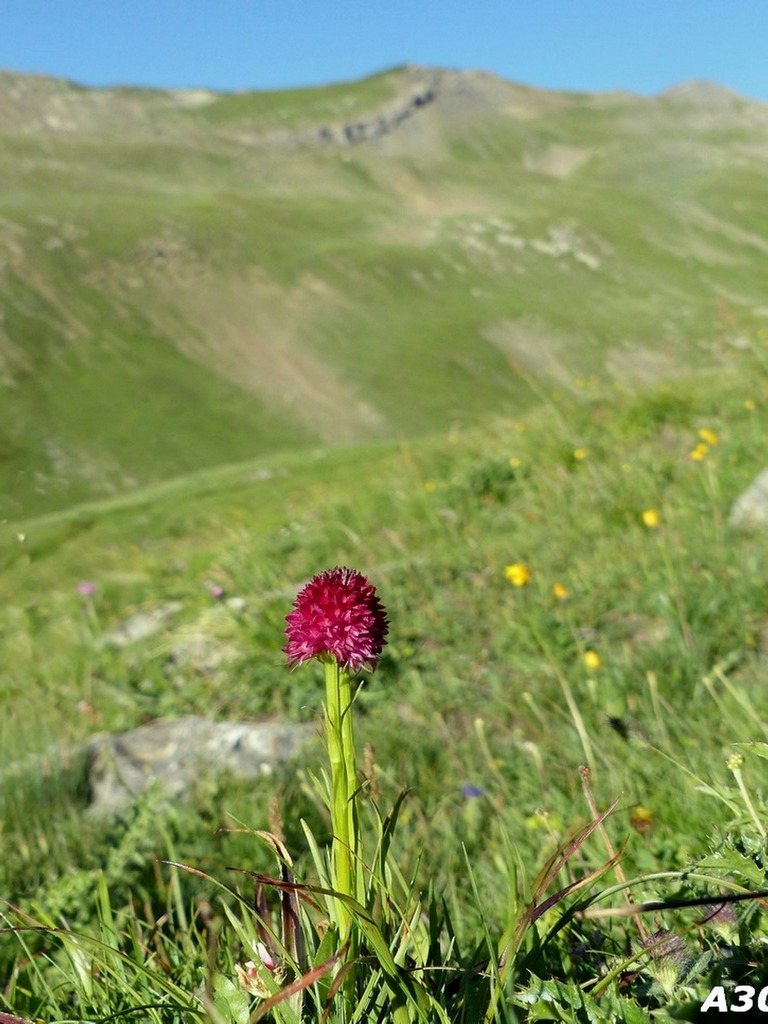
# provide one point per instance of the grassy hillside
(637, 646)
(193, 279)
(505, 352)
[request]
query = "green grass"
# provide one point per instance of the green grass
(482, 376)
(482, 684)
(223, 257)
(292, 108)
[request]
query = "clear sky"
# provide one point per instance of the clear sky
(592, 45)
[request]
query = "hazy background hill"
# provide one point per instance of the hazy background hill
(193, 278)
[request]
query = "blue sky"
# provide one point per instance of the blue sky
(642, 45)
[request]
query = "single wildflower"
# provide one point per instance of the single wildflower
(699, 453)
(514, 462)
(559, 591)
(651, 518)
(592, 660)
(216, 591)
(430, 486)
(724, 920)
(338, 619)
(750, 404)
(709, 437)
(580, 454)
(86, 588)
(642, 820)
(518, 574)
(472, 792)
(251, 976)
(543, 819)
(337, 616)
(670, 958)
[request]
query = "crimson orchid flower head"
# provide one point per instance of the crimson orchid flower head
(337, 615)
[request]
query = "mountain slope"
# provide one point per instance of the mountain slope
(194, 278)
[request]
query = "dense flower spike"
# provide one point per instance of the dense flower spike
(337, 614)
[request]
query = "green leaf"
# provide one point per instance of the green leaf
(561, 1001)
(755, 747)
(731, 861)
(230, 999)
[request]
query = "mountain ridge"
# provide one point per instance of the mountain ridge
(32, 100)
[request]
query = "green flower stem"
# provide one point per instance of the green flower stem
(341, 752)
(734, 763)
(350, 759)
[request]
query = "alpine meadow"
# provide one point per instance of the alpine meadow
(466, 382)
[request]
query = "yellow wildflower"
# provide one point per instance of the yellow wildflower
(708, 436)
(642, 820)
(651, 518)
(559, 591)
(750, 404)
(592, 660)
(514, 462)
(700, 452)
(430, 486)
(579, 454)
(518, 574)
(543, 819)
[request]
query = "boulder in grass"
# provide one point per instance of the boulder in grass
(751, 508)
(177, 753)
(141, 625)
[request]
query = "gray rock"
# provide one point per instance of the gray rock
(177, 753)
(751, 508)
(201, 653)
(141, 626)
